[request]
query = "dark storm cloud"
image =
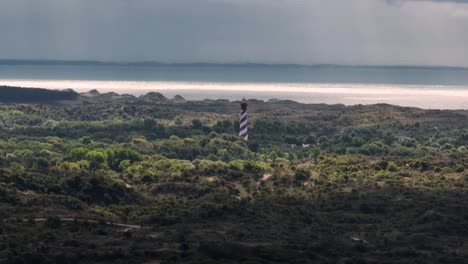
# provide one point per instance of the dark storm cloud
(449, 1)
(268, 31)
(400, 2)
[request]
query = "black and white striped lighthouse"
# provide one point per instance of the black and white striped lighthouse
(244, 121)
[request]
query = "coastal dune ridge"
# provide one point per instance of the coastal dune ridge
(424, 96)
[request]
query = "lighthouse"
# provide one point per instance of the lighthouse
(244, 121)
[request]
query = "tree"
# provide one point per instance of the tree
(301, 175)
(86, 140)
(178, 120)
(96, 158)
(77, 154)
(116, 156)
(197, 124)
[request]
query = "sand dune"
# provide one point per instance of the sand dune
(441, 97)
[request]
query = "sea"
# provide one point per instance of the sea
(423, 87)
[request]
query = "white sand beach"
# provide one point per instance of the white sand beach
(423, 96)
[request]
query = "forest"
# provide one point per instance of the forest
(130, 180)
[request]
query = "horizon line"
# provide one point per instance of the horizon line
(227, 64)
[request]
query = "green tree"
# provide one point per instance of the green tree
(86, 140)
(116, 156)
(78, 153)
(97, 159)
(178, 120)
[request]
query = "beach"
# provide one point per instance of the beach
(422, 96)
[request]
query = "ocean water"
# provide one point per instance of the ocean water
(425, 87)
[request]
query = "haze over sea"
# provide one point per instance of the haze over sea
(425, 87)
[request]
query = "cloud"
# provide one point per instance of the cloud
(264, 31)
(401, 2)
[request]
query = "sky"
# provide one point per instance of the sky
(351, 32)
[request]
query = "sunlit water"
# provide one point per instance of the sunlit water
(433, 88)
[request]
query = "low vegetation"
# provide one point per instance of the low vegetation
(316, 183)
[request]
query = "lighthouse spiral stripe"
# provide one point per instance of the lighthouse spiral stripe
(244, 123)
